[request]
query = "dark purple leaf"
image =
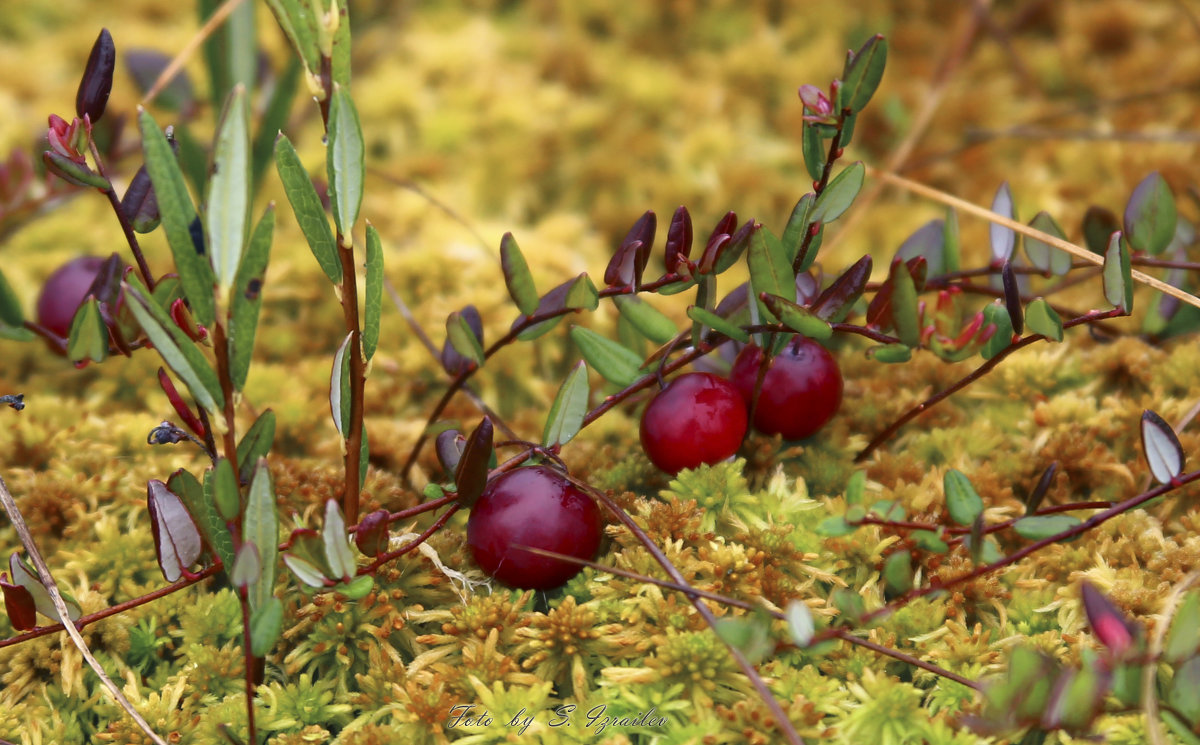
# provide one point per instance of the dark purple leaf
(96, 83)
(1034, 500)
(835, 302)
(679, 240)
(449, 446)
(629, 262)
(1012, 298)
(471, 476)
(928, 241)
(139, 205)
(372, 534)
(19, 604)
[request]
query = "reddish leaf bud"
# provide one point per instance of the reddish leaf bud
(97, 80)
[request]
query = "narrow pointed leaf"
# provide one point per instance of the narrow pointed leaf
(470, 477)
(176, 537)
(1118, 273)
(836, 301)
(717, 323)
(344, 161)
(338, 551)
(178, 213)
(1034, 500)
(227, 210)
(255, 444)
(679, 241)
(629, 261)
(462, 337)
(1004, 240)
(839, 194)
(962, 501)
(88, 337)
(339, 388)
(1012, 298)
(904, 305)
(617, 364)
(1183, 638)
(1043, 526)
(181, 355)
(798, 318)
(1043, 256)
(864, 73)
(569, 408)
(204, 511)
(1109, 624)
(306, 205)
(266, 626)
(96, 83)
(648, 320)
(373, 307)
(1162, 448)
(517, 277)
(1042, 319)
(261, 526)
(1150, 215)
(797, 226)
(247, 298)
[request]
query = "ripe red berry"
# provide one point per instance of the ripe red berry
(801, 391)
(698, 418)
(535, 506)
(64, 291)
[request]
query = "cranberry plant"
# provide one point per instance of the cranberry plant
(761, 350)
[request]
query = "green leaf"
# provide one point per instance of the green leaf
(1118, 273)
(226, 214)
(1042, 255)
(1179, 728)
(928, 540)
(1183, 638)
(1150, 215)
(750, 635)
(1184, 689)
(812, 147)
(798, 318)
(569, 408)
(1042, 319)
(897, 572)
(463, 339)
(266, 626)
(839, 194)
(582, 294)
(800, 623)
(864, 73)
(247, 298)
(997, 315)
(203, 510)
(577, 293)
(648, 320)
(178, 213)
(10, 305)
(255, 444)
(225, 490)
(1043, 526)
(298, 24)
(341, 46)
(306, 205)
(339, 388)
(517, 277)
(770, 270)
(88, 337)
(962, 502)
(344, 162)
(835, 526)
(617, 364)
(904, 305)
(261, 526)
(891, 353)
(338, 551)
(717, 323)
(373, 309)
(797, 226)
(357, 588)
(180, 354)
(951, 253)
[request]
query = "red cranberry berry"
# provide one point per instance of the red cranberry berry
(801, 391)
(534, 506)
(64, 292)
(698, 418)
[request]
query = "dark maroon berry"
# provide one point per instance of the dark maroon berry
(535, 506)
(698, 418)
(64, 291)
(801, 391)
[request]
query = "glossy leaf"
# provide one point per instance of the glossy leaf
(800, 623)
(261, 526)
(679, 241)
(139, 205)
(569, 408)
(180, 354)
(891, 353)
(255, 444)
(88, 337)
(344, 162)
(996, 315)
(470, 477)
(338, 551)
(733, 249)
(517, 276)
(962, 501)
(1118, 273)
(306, 205)
(357, 588)
(796, 228)
(19, 605)
(339, 388)
(648, 320)
(617, 364)
(227, 208)
(836, 301)
(863, 73)
(296, 19)
(247, 298)
(1164, 454)
(178, 213)
(839, 194)
(1183, 638)
(770, 271)
(176, 537)
(1003, 240)
(629, 261)
(23, 575)
(812, 147)
(266, 626)
(203, 510)
(1042, 319)
(1012, 298)
(226, 494)
(798, 318)
(1042, 255)
(1150, 216)
(1043, 526)
(373, 305)
(372, 537)
(96, 83)
(717, 323)
(462, 337)
(905, 316)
